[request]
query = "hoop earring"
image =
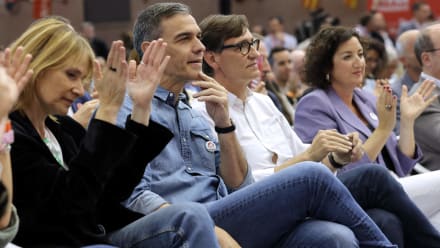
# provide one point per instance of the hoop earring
(327, 77)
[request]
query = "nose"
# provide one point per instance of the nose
(78, 88)
(199, 47)
(253, 53)
(359, 61)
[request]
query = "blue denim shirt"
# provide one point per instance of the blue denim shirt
(187, 169)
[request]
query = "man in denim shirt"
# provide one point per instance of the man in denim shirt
(279, 211)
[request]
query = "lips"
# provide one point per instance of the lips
(196, 61)
(252, 65)
(68, 101)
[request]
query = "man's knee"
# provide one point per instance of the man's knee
(194, 214)
(318, 233)
(337, 236)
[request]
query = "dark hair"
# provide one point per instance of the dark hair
(218, 28)
(417, 5)
(278, 18)
(320, 52)
(274, 51)
(423, 43)
(365, 19)
(148, 23)
(379, 47)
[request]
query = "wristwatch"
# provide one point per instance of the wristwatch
(333, 162)
(229, 129)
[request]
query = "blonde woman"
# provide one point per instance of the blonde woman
(69, 182)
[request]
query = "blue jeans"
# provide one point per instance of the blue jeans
(316, 233)
(373, 187)
(272, 210)
(178, 225)
(389, 224)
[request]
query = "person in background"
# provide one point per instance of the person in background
(277, 37)
(412, 68)
(281, 64)
(421, 12)
(68, 182)
(14, 75)
(335, 65)
(375, 61)
(267, 77)
(297, 85)
(98, 45)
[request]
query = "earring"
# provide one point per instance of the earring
(327, 77)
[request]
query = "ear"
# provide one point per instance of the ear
(145, 45)
(426, 59)
(211, 59)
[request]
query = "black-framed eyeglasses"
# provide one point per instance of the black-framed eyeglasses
(244, 46)
(432, 50)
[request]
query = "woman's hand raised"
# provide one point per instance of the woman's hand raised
(110, 82)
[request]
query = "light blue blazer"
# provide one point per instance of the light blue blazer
(323, 109)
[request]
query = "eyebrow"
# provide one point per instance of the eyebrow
(74, 70)
(188, 33)
(350, 52)
(249, 40)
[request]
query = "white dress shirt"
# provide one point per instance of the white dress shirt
(265, 136)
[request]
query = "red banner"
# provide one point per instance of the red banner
(396, 11)
(41, 8)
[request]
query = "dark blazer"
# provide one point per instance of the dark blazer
(427, 130)
(63, 208)
(320, 110)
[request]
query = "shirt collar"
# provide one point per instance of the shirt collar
(169, 97)
(424, 76)
(233, 100)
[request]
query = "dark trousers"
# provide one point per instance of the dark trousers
(390, 207)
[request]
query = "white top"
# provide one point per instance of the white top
(52, 143)
(265, 136)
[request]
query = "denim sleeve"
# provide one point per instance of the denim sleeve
(124, 111)
(146, 203)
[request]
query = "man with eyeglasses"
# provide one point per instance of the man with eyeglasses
(427, 125)
(271, 146)
(273, 213)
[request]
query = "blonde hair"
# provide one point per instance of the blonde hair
(54, 44)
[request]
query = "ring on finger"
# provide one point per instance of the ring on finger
(112, 69)
(388, 106)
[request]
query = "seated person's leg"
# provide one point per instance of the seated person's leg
(318, 233)
(260, 214)
(389, 224)
(373, 187)
(178, 225)
(424, 191)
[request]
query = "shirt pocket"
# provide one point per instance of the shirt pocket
(205, 153)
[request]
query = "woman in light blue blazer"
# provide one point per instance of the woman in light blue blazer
(335, 66)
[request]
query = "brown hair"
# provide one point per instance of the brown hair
(320, 52)
(218, 28)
